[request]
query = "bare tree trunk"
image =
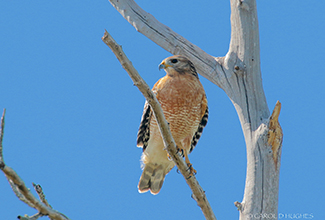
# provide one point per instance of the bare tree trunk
(245, 90)
(239, 75)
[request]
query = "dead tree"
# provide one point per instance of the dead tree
(238, 73)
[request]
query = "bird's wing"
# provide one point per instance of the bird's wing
(144, 129)
(203, 123)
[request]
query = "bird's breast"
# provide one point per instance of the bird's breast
(181, 101)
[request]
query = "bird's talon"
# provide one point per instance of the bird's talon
(192, 170)
(169, 157)
(180, 151)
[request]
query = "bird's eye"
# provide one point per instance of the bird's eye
(174, 60)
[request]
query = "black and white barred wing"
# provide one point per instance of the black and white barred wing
(144, 129)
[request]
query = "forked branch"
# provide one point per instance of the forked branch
(198, 193)
(165, 37)
(21, 191)
(239, 75)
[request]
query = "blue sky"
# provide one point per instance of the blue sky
(73, 113)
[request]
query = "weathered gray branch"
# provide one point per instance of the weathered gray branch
(165, 37)
(198, 193)
(239, 75)
(20, 189)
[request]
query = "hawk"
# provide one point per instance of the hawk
(184, 103)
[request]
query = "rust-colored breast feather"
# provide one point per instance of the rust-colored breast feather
(182, 99)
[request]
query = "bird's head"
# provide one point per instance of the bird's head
(178, 65)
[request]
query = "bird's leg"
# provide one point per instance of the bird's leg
(183, 153)
(189, 165)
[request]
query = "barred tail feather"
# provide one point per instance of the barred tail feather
(152, 178)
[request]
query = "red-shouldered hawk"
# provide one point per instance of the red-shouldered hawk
(184, 103)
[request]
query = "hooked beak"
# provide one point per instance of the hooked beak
(163, 65)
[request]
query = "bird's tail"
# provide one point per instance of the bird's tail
(152, 178)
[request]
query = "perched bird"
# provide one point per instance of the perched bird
(184, 103)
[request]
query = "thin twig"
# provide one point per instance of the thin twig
(2, 163)
(33, 217)
(41, 194)
(20, 189)
(198, 193)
